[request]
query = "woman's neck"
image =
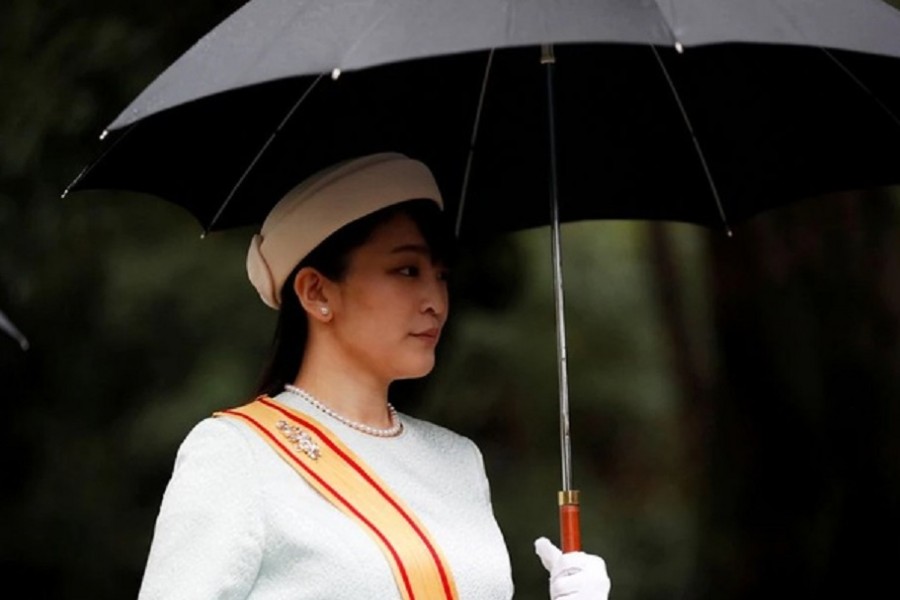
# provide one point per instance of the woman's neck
(352, 393)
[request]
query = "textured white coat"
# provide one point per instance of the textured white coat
(237, 522)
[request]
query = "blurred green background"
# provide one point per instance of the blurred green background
(734, 401)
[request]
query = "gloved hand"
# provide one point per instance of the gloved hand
(573, 575)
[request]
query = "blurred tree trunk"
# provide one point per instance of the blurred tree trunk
(803, 480)
(690, 367)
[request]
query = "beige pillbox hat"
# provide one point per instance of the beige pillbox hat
(324, 203)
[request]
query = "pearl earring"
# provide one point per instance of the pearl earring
(324, 310)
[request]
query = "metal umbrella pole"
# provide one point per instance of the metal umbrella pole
(569, 509)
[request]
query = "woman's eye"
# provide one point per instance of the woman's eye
(410, 271)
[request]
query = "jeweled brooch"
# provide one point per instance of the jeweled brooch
(302, 441)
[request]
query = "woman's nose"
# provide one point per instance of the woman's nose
(436, 299)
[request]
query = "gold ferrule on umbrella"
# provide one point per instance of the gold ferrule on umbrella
(568, 497)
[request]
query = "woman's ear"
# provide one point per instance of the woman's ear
(313, 291)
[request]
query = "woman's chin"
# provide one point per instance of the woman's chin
(417, 369)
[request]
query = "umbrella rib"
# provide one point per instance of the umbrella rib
(697, 147)
(362, 36)
(261, 151)
(90, 167)
(472, 140)
(863, 87)
(671, 26)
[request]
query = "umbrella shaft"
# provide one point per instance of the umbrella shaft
(564, 432)
(569, 509)
(556, 250)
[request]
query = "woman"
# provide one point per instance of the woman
(320, 488)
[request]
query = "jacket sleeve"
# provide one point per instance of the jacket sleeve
(208, 539)
(481, 483)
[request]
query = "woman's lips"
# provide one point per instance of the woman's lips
(428, 334)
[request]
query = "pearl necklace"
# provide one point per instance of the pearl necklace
(392, 431)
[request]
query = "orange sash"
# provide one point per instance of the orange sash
(419, 567)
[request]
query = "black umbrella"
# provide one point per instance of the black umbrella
(703, 111)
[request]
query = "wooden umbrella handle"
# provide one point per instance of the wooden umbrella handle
(569, 521)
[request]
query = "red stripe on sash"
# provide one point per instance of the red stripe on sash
(444, 581)
(343, 500)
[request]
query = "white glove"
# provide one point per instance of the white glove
(573, 575)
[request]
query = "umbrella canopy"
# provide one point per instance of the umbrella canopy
(703, 111)
(657, 116)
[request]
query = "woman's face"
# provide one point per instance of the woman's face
(392, 303)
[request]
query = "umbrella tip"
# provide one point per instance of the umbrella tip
(679, 48)
(104, 134)
(335, 73)
(7, 326)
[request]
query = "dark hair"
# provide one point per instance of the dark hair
(331, 258)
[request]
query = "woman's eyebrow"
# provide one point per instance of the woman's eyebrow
(417, 248)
